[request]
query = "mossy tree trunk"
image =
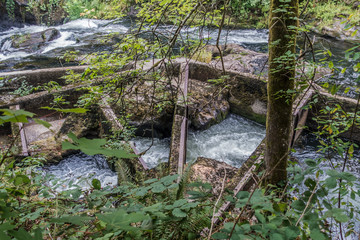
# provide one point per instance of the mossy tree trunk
(282, 40)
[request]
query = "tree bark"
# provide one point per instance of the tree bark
(282, 40)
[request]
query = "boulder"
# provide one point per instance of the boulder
(213, 172)
(208, 104)
(239, 59)
(338, 31)
(34, 41)
(15, 17)
(147, 109)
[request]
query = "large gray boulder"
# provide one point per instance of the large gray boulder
(34, 41)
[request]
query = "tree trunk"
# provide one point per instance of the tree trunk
(282, 40)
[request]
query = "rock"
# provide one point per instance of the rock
(17, 18)
(214, 50)
(82, 125)
(144, 111)
(49, 13)
(213, 172)
(248, 98)
(356, 5)
(34, 41)
(237, 58)
(49, 149)
(338, 31)
(207, 104)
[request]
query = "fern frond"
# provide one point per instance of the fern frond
(184, 181)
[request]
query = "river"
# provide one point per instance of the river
(231, 141)
(84, 36)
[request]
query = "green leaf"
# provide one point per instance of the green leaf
(260, 217)
(219, 235)
(96, 184)
(348, 176)
(120, 220)
(158, 188)
(21, 179)
(179, 202)
(15, 116)
(276, 236)
(42, 122)
(331, 182)
(311, 162)
(177, 212)
(317, 234)
(93, 146)
(6, 226)
(21, 234)
(327, 205)
(77, 220)
(68, 110)
(151, 180)
(242, 195)
(3, 236)
(341, 217)
(168, 180)
(298, 205)
(292, 232)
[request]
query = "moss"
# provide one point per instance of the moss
(203, 56)
(326, 13)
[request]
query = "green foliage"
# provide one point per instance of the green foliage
(14, 116)
(329, 11)
(10, 8)
(93, 147)
(23, 90)
(102, 9)
(165, 208)
(252, 12)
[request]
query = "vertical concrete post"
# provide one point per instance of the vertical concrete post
(177, 157)
(20, 127)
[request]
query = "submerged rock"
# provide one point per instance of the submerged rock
(34, 41)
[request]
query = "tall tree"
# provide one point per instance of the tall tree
(282, 40)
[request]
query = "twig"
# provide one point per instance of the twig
(308, 202)
(217, 201)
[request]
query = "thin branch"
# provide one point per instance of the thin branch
(217, 201)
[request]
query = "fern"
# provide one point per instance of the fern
(184, 181)
(10, 8)
(123, 171)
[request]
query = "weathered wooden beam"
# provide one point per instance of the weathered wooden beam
(245, 183)
(300, 114)
(39, 76)
(184, 71)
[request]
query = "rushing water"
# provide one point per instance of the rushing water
(308, 149)
(78, 170)
(83, 35)
(232, 141)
